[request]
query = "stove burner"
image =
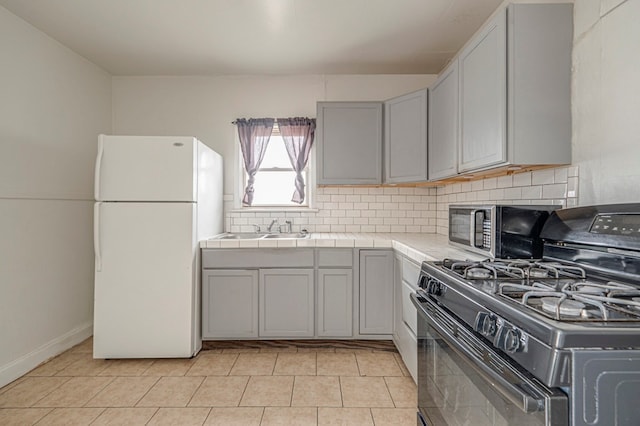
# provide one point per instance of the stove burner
(537, 273)
(560, 306)
(477, 273)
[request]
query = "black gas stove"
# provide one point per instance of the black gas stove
(540, 324)
(558, 291)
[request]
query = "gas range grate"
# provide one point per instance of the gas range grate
(511, 269)
(576, 300)
(555, 290)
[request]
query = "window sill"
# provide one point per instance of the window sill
(275, 210)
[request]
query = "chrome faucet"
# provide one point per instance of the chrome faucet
(273, 222)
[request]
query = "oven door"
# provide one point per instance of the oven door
(462, 380)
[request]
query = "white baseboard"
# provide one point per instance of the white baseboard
(19, 367)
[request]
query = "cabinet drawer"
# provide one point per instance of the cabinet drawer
(410, 272)
(409, 312)
(257, 258)
(335, 258)
(408, 347)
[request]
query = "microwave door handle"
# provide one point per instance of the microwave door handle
(476, 216)
(472, 228)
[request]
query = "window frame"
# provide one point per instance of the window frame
(240, 182)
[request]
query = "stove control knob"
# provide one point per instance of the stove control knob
(511, 340)
(486, 324)
(489, 326)
(422, 282)
(435, 287)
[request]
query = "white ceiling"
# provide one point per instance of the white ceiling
(205, 37)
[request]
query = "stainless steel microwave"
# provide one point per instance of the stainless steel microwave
(499, 231)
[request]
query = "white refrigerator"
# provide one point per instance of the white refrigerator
(156, 198)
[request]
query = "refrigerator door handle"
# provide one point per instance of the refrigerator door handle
(96, 236)
(98, 169)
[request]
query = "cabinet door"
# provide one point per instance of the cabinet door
(286, 303)
(483, 97)
(376, 292)
(397, 295)
(335, 303)
(405, 141)
(349, 142)
(443, 124)
(229, 303)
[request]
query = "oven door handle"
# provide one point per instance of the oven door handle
(527, 402)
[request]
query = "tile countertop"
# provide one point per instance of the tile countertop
(418, 247)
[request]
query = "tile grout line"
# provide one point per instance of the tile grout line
(147, 392)
(50, 392)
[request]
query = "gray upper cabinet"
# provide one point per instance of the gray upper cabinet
(443, 124)
(483, 96)
(405, 141)
(514, 83)
(349, 143)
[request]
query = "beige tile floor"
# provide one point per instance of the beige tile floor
(306, 386)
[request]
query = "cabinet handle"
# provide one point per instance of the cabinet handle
(98, 169)
(96, 236)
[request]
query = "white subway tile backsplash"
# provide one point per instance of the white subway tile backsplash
(505, 181)
(561, 175)
(543, 177)
(522, 179)
(490, 183)
(572, 187)
(558, 190)
(532, 192)
(572, 171)
(513, 193)
(419, 209)
(477, 185)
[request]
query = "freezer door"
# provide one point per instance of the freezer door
(146, 168)
(146, 281)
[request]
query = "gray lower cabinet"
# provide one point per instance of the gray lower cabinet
(349, 143)
(286, 303)
(376, 291)
(514, 82)
(334, 303)
(230, 304)
(405, 141)
(406, 273)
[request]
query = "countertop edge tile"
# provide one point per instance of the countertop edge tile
(417, 247)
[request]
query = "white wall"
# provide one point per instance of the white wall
(606, 100)
(204, 107)
(54, 103)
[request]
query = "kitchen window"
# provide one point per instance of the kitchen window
(270, 178)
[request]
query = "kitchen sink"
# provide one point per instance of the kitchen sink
(292, 235)
(256, 236)
(239, 236)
